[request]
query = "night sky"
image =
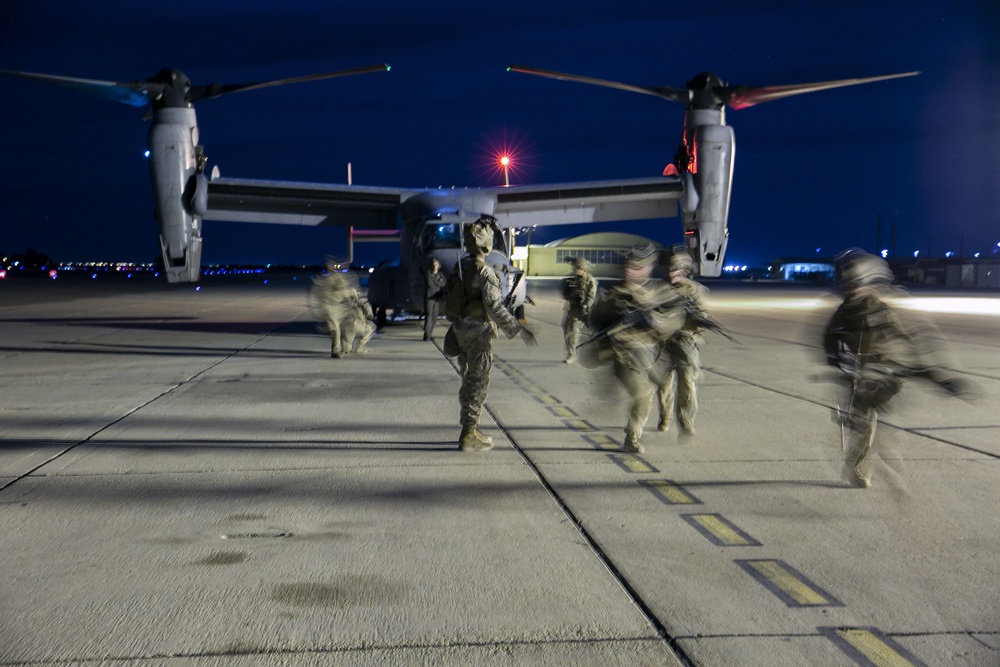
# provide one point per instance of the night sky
(813, 174)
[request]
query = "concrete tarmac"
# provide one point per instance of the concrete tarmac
(187, 478)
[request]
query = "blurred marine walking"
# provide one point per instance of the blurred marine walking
(680, 390)
(579, 291)
(344, 314)
(634, 320)
(874, 347)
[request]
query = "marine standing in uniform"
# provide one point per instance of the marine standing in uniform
(873, 347)
(635, 318)
(346, 315)
(434, 282)
(579, 290)
(482, 314)
(680, 391)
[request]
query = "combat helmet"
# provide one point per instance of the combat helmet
(580, 263)
(680, 260)
(641, 255)
(479, 235)
(864, 269)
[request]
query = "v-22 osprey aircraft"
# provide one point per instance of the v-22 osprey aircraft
(429, 222)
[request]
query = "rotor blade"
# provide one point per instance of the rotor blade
(741, 97)
(135, 93)
(215, 89)
(671, 94)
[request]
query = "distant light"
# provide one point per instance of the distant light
(146, 154)
(371, 270)
(949, 254)
(198, 288)
(817, 250)
(743, 268)
(3, 273)
(976, 255)
(53, 273)
(884, 253)
(505, 160)
(265, 282)
(916, 252)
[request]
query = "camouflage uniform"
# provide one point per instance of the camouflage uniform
(434, 282)
(483, 315)
(869, 342)
(680, 389)
(579, 290)
(638, 317)
(345, 315)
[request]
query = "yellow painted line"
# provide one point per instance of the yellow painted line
(786, 583)
(632, 463)
(578, 425)
(722, 531)
(602, 441)
(873, 648)
(562, 411)
(547, 399)
(670, 493)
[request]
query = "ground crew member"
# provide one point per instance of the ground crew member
(434, 281)
(680, 391)
(579, 291)
(634, 320)
(868, 340)
(482, 314)
(345, 315)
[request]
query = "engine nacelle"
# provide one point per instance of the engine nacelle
(173, 167)
(706, 232)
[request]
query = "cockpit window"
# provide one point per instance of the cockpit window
(438, 237)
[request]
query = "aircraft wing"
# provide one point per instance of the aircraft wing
(309, 204)
(583, 202)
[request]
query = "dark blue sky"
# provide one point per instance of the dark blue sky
(813, 171)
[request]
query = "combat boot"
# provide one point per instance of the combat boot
(472, 440)
(858, 478)
(632, 444)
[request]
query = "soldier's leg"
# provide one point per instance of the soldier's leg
(859, 436)
(364, 330)
(640, 391)
(571, 328)
(477, 360)
(665, 397)
(430, 314)
(336, 349)
(688, 363)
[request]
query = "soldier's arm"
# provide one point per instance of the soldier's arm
(493, 303)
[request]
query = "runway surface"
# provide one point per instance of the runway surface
(187, 478)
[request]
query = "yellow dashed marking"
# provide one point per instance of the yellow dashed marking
(786, 583)
(873, 648)
(632, 463)
(562, 411)
(578, 425)
(602, 441)
(670, 493)
(547, 399)
(719, 530)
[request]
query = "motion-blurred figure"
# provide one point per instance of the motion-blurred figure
(680, 390)
(475, 308)
(579, 291)
(434, 282)
(344, 314)
(874, 347)
(634, 320)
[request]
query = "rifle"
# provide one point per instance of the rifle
(634, 316)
